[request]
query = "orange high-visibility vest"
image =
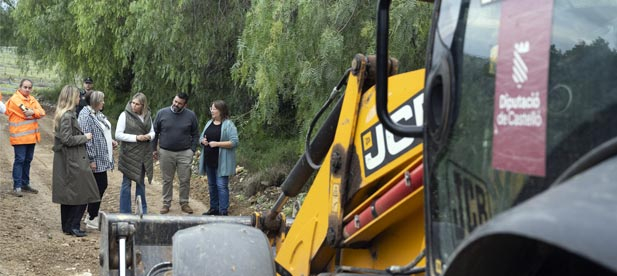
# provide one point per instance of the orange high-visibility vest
(23, 130)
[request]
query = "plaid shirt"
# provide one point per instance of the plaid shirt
(97, 146)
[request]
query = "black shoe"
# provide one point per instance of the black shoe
(28, 189)
(78, 233)
(223, 213)
(211, 212)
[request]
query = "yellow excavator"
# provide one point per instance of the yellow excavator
(498, 158)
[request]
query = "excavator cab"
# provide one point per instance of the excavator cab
(520, 138)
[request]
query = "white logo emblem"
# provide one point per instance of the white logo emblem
(519, 69)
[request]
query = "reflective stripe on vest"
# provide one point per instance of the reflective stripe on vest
(15, 134)
(22, 123)
(24, 133)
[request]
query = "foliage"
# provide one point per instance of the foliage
(159, 47)
(7, 24)
(190, 47)
(48, 95)
(284, 56)
(266, 151)
(292, 53)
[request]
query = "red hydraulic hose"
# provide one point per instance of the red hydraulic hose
(402, 189)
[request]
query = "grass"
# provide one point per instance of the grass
(11, 73)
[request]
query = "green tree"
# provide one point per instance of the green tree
(188, 47)
(274, 62)
(159, 47)
(292, 53)
(7, 24)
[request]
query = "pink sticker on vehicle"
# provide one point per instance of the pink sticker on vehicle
(519, 119)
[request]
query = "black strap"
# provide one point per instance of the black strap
(281, 270)
(373, 209)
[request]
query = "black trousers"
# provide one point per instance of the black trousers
(101, 182)
(70, 215)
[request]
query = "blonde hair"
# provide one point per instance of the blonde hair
(67, 100)
(141, 98)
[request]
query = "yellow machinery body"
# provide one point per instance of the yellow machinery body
(373, 161)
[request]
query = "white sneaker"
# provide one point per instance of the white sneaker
(86, 218)
(92, 223)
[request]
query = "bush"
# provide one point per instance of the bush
(259, 153)
(48, 95)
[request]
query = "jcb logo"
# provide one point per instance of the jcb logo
(379, 146)
(469, 200)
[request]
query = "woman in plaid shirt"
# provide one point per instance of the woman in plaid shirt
(92, 120)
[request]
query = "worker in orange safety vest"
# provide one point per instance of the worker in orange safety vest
(23, 111)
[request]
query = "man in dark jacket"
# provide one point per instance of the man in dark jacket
(84, 93)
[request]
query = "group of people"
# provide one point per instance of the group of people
(175, 141)
(83, 151)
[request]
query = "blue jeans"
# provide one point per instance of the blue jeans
(125, 193)
(21, 165)
(218, 186)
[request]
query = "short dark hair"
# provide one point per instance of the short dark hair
(21, 83)
(183, 96)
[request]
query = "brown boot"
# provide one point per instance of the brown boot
(164, 210)
(187, 209)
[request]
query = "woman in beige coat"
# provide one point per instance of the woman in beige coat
(73, 184)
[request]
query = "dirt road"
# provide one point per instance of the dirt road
(31, 240)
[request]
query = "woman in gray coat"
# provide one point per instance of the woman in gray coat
(73, 184)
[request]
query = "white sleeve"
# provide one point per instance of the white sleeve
(120, 127)
(2, 107)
